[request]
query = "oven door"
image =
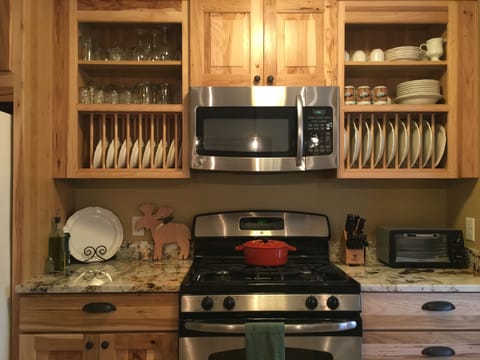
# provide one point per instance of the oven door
(323, 340)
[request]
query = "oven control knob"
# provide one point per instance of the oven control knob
(311, 302)
(229, 303)
(207, 303)
(332, 302)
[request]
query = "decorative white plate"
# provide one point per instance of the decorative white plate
(171, 155)
(440, 143)
(110, 155)
(427, 142)
(415, 143)
(346, 140)
(379, 142)
(418, 99)
(403, 143)
(367, 141)
(159, 155)
(97, 155)
(146, 154)
(354, 143)
(134, 155)
(391, 143)
(95, 234)
(122, 155)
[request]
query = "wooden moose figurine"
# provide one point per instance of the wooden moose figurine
(163, 231)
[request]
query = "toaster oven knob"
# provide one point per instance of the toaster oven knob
(207, 303)
(311, 302)
(332, 302)
(229, 303)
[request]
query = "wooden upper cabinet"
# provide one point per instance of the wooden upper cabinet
(5, 28)
(270, 42)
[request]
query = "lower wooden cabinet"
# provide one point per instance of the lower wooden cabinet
(417, 326)
(138, 346)
(98, 327)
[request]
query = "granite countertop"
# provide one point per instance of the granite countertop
(376, 277)
(115, 276)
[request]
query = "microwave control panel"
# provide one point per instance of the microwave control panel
(318, 130)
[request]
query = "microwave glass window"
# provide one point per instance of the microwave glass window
(268, 132)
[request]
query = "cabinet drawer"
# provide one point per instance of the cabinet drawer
(145, 312)
(403, 344)
(403, 311)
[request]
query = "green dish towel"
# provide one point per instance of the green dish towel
(265, 340)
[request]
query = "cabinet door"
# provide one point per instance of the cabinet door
(58, 347)
(226, 42)
(139, 346)
(300, 42)
(5, 28)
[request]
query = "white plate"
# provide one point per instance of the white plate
(95, 234)
(159, 155)
(354, 143)
(110, 155)
(415, 143)
(379, 143)
(391, 142)
(440, 143)
(134, 155)
(403, 143)
(418, 99)
(346, 140)
(427, 142)
(367, 141)
(171, 155)
(146, 154)
(122, 155)
(97, 155)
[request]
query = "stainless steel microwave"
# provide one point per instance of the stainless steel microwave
(264, 128)
(420, 247)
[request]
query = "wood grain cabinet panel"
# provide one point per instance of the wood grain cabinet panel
(270, 42)
(418, 325)
(99, 326)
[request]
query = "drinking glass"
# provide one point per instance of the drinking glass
(140, 52)
(161, 51)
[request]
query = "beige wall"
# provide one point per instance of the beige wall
(394, 202)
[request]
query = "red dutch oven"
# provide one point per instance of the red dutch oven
(265, 252)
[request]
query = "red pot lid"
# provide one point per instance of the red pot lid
(269, 244)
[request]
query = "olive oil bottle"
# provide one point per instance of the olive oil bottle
(56, 245)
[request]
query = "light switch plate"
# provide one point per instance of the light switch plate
(470, 228)
(140, 232)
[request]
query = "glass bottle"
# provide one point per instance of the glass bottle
(56, 245)
(140, 52)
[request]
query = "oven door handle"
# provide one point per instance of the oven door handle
(330, 326)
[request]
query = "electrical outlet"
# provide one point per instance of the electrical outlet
(140, 232)
(470, 228)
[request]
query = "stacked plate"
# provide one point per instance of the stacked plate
(425, 91)
(403, 53)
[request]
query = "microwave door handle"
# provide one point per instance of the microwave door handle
(328, 326)
(299, 157)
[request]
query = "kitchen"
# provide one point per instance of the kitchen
(431, 202)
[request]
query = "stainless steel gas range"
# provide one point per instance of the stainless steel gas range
(316, 305)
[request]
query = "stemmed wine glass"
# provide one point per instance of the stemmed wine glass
(140, 52)
(160, 51)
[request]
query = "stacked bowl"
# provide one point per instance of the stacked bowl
(424, 91)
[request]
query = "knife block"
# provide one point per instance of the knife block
(351, 256)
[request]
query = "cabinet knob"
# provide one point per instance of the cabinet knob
(89, 345)
(270, 79)
(98, 307)
(442, 351)
(104, 345)
(256, 79)
(438, 306)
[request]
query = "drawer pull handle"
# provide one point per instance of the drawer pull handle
(442, 351)
(99, 307)
(438, 306)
